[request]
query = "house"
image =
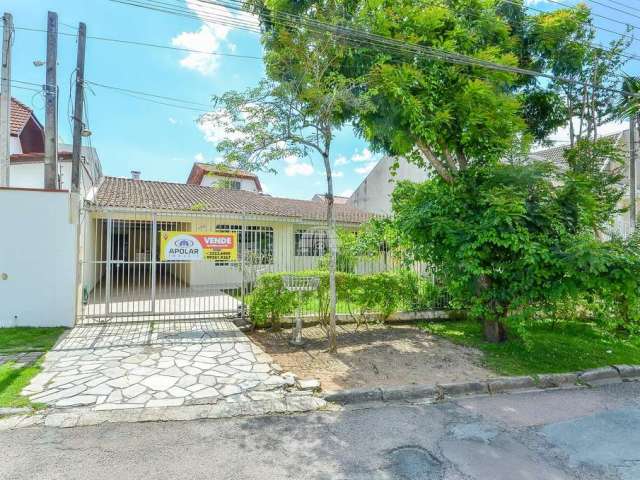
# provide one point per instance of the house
(621, 224)
(337, 199)
(374, 193)
(197, 245)
(26, 150)
(220, 176)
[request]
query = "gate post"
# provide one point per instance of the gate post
(242, 256)
(107, 298)
(154, 240)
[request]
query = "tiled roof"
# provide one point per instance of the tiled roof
(19, 116)
(556, 154)
(142, 194)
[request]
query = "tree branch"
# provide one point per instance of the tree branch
(434, 161)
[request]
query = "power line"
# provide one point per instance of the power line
(144, 44)
(613, 8)
(566, 5)
(364, 39)
(137, 92)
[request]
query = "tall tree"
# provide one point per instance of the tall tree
(279, 120)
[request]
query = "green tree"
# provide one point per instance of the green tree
(294, 117)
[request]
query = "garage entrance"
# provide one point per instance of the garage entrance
(126, 277)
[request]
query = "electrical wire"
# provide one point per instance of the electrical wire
(364, 39)
(613, 8)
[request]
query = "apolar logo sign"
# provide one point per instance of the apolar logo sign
(198, 246)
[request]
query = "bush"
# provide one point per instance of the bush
(361, 295)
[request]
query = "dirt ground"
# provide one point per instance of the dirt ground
(377, 355)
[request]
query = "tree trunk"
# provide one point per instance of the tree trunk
(494, 331)
(331, 224)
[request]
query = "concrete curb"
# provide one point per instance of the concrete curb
(288, 404)
(493, 386)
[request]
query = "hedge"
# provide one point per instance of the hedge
(380, 293)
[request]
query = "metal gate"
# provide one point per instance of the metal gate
(123, 277)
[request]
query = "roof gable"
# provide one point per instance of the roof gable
(19, 116)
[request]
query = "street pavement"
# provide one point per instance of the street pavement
(584, 434)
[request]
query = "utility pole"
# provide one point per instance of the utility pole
(78, 109)
(51, 106)
(5, 100)
(632, 172)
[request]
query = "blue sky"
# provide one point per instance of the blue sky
(162, 141)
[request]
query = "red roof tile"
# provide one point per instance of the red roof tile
(142, 194)
(19, 116)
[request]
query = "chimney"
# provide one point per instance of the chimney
(135, 174)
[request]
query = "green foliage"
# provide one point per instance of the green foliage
(512, 238)
(13, 379)
(359, 295)
(550, 346)
(28, 339)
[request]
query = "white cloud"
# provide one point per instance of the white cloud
(304, 169)
(346, 193)
(341, 160)
(172, 121)
(338, 174)
(291, 159)
(365, 169)
(534, 2)
(198, 157)
(217, 126)
(364, 156)
(210, 37)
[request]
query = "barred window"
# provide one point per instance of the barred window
(311, 243)
(256, 247)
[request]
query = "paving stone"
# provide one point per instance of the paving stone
(173, 372)
(261, 368)
(143, 399)
(159, 382)
(230, 390)
(196, 387)
(52, 396)
(206, 392)
(191, 370)
(115, 397)
(102, 389)
(209, 380)
(179, 392)
(76, 401)
(133, 390)
(114, 372)
(125, 381)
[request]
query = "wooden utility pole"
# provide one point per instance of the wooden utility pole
(5, 100)
(632, 172)
(78, 109)
(51, 106)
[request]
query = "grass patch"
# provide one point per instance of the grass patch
(28, 339)
(12, 380)
(547, 347)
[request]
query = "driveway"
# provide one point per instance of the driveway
(581, 434)
(154, 364)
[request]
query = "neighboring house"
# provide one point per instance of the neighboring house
(128, 218)
(621, 224)
(219, 176)
(337, 199)
(374, 193)
(27, 155)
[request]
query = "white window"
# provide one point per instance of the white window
(311, 243)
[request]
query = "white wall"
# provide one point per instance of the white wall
(374, 193)
(38, 259)
(245, 184)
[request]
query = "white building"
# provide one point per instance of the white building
(374, 193)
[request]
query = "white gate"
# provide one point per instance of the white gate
(123, 277)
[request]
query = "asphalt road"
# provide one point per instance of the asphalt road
(578, 434)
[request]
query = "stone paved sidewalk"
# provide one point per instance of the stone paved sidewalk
(156, 365)
(20, 359)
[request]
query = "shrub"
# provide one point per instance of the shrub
(380, 293)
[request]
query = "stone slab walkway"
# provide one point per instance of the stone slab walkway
(20, 359)
(171, 364)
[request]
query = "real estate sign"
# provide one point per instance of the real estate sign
(198, 246)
